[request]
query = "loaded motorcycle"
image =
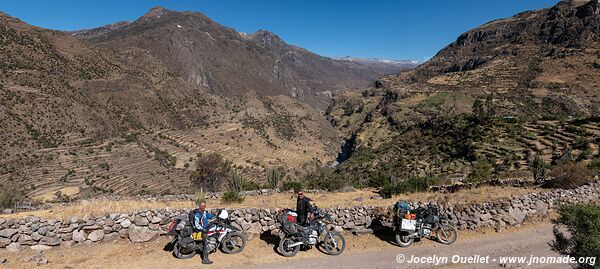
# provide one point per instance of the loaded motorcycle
(186, 243)
(319, 230)
(426, 222)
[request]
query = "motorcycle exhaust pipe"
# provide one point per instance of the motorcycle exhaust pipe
(295, 244)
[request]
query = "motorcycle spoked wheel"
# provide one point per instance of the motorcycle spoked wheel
(334, 243)
(446, 234)
(285, 249)
(180, 252)
(403, 239)
(233, 243)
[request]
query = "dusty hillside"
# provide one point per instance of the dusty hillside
(505, 92)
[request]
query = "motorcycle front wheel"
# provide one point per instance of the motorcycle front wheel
(403, 239)
(285, 249)
(234, 243)
(180, 252)
(334, 243)
(446, 234)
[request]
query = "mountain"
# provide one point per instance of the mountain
(224, 62)
(128, 108)
(499, 95)
(391, 65)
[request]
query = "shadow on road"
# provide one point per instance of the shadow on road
(270, 239)
(383, 232)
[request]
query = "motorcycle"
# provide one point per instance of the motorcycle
(319, 230)
(186, 243)
(426, 222)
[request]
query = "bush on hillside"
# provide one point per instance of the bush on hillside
(249, 185)
(569, 176)
(539, 168)
(274, 175)
(9, 196)
(325, 179)
(582, 237)
(482, 170)
(212, 170)
(411, 185)
(231, 196)
(292, 185)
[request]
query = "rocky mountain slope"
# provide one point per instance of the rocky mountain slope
(129, 107)
(219, 59)
(495, 93)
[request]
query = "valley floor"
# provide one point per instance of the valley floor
(366, 251)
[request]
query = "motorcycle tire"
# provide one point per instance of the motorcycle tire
(334, 243)
(233, 243)
(403, 239)
(285, 250)
(180, 253)
(446, 234)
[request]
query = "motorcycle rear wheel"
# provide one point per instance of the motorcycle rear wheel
(284, 248)
(446, 234)
(403, 239)
(334, 243)
(181, 253)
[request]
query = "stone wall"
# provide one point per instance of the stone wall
(146, 225)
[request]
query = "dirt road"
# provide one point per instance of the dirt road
(367, 251)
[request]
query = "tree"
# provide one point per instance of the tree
(212, 170)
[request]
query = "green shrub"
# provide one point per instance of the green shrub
(539, 168)
(583, 238)
(212, 171)
(595, 165)
(199, 197)
(9, 196)
(325, 179)
(274, 175)
(569, 176)
(249, 185)
(235, 180)
(292, 185)
(413, 184)
(231, 196)
(482, 170)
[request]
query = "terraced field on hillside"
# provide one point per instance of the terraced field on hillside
(514, 146)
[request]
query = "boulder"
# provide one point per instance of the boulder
(36, 236)
(38, 248)
(67, 244)
(155, 220)
(26, 240)
(4, 242)
(50, 241)
(541, 208)
(14, 247)
(43, 230)
(8, 233)
(125, 223)
(517, 214)
(140, 221)
(96, 235)
(141, 234)
(79, 236)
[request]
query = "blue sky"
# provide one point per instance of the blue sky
(394, 29)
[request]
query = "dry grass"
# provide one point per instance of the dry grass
(280, 200)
